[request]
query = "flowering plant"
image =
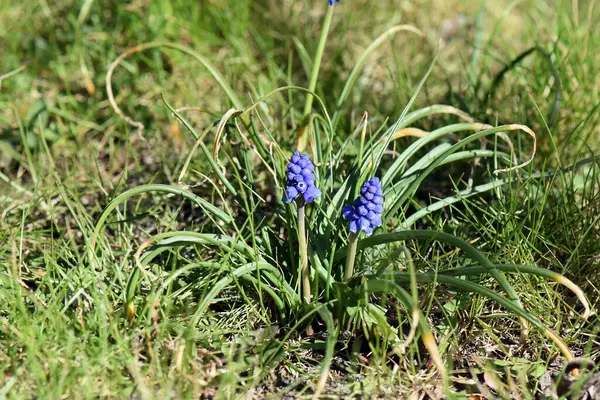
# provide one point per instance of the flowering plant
(269, 264)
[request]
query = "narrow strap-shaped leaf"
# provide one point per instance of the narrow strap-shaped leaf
(411, 150)
(399, 201)
(224, 283)
(469, 250)
(498, 298)
(361, 62)
(207, 156)
(389, 286)
(329, 351)
(214, 211)
(527, 269)
(462, 195)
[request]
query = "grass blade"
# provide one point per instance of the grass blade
(363, 59)
(211, 209)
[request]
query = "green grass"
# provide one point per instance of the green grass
(133, 264)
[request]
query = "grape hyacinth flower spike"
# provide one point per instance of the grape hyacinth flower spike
(364, 216)
(332, 1)
(300, 180)
(365, 213)
(300, 186)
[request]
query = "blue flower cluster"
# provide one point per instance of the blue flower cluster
(365, 213)
(300, 179)
(331, 2)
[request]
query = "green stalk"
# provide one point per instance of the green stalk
(314, 75)
(352, 245)
(304, 270)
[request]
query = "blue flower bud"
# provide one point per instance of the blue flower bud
(303, 162)
(295, 168)
(348, 213)
(311, 193)
(290, 194)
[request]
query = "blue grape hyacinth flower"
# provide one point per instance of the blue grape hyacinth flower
(331, 2)
(365, 213)
(300, 179)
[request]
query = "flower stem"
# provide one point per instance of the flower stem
(351, 256)
(304, 270)
(314, 75)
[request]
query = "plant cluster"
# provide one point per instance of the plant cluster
(330, 272)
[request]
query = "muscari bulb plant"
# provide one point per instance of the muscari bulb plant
(300, 186)
(254, 256)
